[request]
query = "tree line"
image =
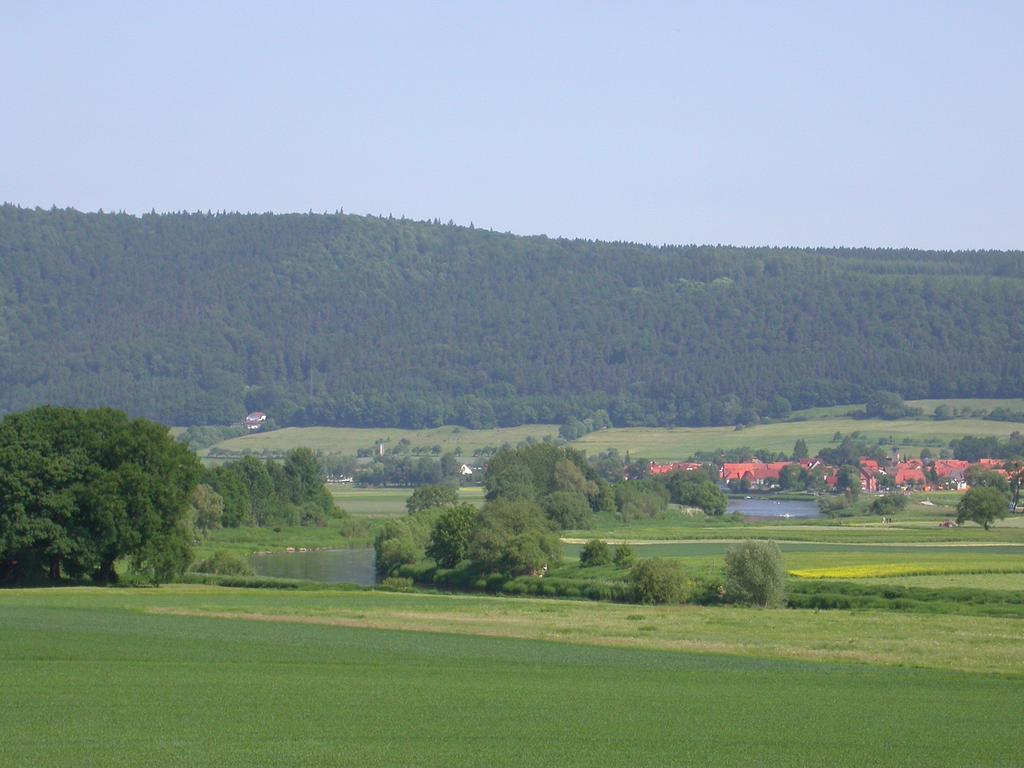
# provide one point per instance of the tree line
(368, 321)
(88, 494)
(533, 492)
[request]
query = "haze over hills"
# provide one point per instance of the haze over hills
(363, 321)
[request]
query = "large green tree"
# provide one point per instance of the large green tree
(514, 538)
(432, 497)
(449, 537)
(82, 489)
(983, 506)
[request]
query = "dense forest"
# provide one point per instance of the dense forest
(337, 319)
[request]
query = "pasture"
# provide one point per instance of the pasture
(675, 443)
(815, 425)
(218, 677)
(348, 440)
(845, 561)
(387, 502)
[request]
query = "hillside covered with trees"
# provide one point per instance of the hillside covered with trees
(363, 321)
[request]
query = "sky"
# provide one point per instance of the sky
(860, 123)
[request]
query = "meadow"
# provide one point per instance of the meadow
(348, 440)
(209, 676)
(387, 502)
(675, 443)
(816, 426)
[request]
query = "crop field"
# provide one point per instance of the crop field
(219, 677)
(387, 502)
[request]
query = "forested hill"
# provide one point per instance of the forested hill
(351, 320)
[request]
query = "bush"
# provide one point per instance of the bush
(754, 573)
(889, 505)
(396, 584)
(223, 563)
(568, 509)
(659, 581)
(623, 555)
(595, 552)
(391, 553)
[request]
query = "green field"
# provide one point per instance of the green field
(675, 443)
(707, 557)
(815, 425)
(387, 502)
(151, 678)
(1000, 582)
(348, 440)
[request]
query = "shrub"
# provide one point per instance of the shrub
(889, 505)
(754, 573)
(659, 581)
(391, 553)
(595, 552)
(223, 563)
(623, 555)
(568, 509)
(396, 584)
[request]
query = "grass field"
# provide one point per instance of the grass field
(676, 443)
(244, 541)
(151, 678)
(815, 425)
(387, 502)
(1004, 582)
(839, 561)
(348, 440)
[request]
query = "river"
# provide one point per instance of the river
(329, 566)
(767, 507)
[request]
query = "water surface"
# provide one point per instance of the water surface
(329, 566)
(772, 508)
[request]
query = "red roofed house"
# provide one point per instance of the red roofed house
(909, 473)
(946, 468)
(754, 472)
(684, 466)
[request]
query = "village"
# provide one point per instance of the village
(870, 475)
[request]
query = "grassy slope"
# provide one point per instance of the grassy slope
(99, 682)
(348, 440)
(815, 425)
(680, 442)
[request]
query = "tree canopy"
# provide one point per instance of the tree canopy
(513, 538)
(983, 506)
(82, 489)
(368, 321)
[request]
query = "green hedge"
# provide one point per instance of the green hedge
(844, 595)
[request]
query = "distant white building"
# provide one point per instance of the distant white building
(255, 421)
(465, 470)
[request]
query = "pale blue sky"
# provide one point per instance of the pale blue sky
(815, 123)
